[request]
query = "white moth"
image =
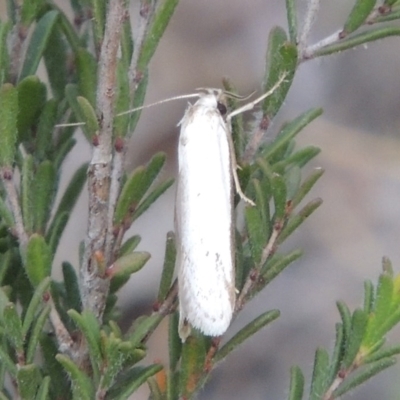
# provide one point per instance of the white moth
(204, 216)
(204, 212)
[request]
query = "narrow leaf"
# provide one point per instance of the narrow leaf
(320, 373)
(143, 326)
(43, 194)
(36, 301)
(296, 384)
(38, 43)
(358, 15)
(130, 381)
(160, 21)
(13, 326)
(31, 100)
(86, 66)
(37, 331)
(356, 40)
(245, 333)
(82, 387)
(130, 245)
(38, 259)
(28, 379)
(362, 375)
(44, 138)
(89, 326)
(168, 267)
(8, 126)
(56, 60)
(289, 131)
(281, 60)
(124, 267)
(71, 284)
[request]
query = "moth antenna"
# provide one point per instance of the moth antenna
(182, 96)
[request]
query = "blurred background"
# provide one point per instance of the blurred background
(343, 241)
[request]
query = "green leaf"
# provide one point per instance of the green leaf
(136, 187)
(130, 245)
(142, 327)
(123, 100)
(56, 61)
(368, 296)
(27, 187)
(319, 379)
(192, 363)
(38, 259)
(130, 381)
(60, 386)
(8, 126)
(7, 361)
(296, 220)
(382, 353)
(28, 380)
(73, 298)
(152, 197)
(160, 21)
(345, 314)
(358, 15)
(5, 214)
(5, 28)
(82, 387)
(363, 375)
(37, 331)
(98, 8)
(174, 341)
(38, 43)
(89, 116)
(31, 100)
(296, 384)
(6, 261)
(114, 359)
(58, 225)
(292, 19)
(127, 43)
(36, 301)
(44, 138)
(281, 60)
(89, 326)
(124, 267)
(298, 158)
(279, 193)
(30, 10)
(275, 266)
(86, 66)
(62, 151)
(359, 322)
(168, 267)
(257, 231)
(13, 327)
(356, 40)
(71, 92)
(138, 100)
(43, 392)
(245, 333)
(175, 351)
(43, 194)
(66, 205)
(306, 186)
(338, 352)
(289, 131)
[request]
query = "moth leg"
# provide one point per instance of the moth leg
(235, 166)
